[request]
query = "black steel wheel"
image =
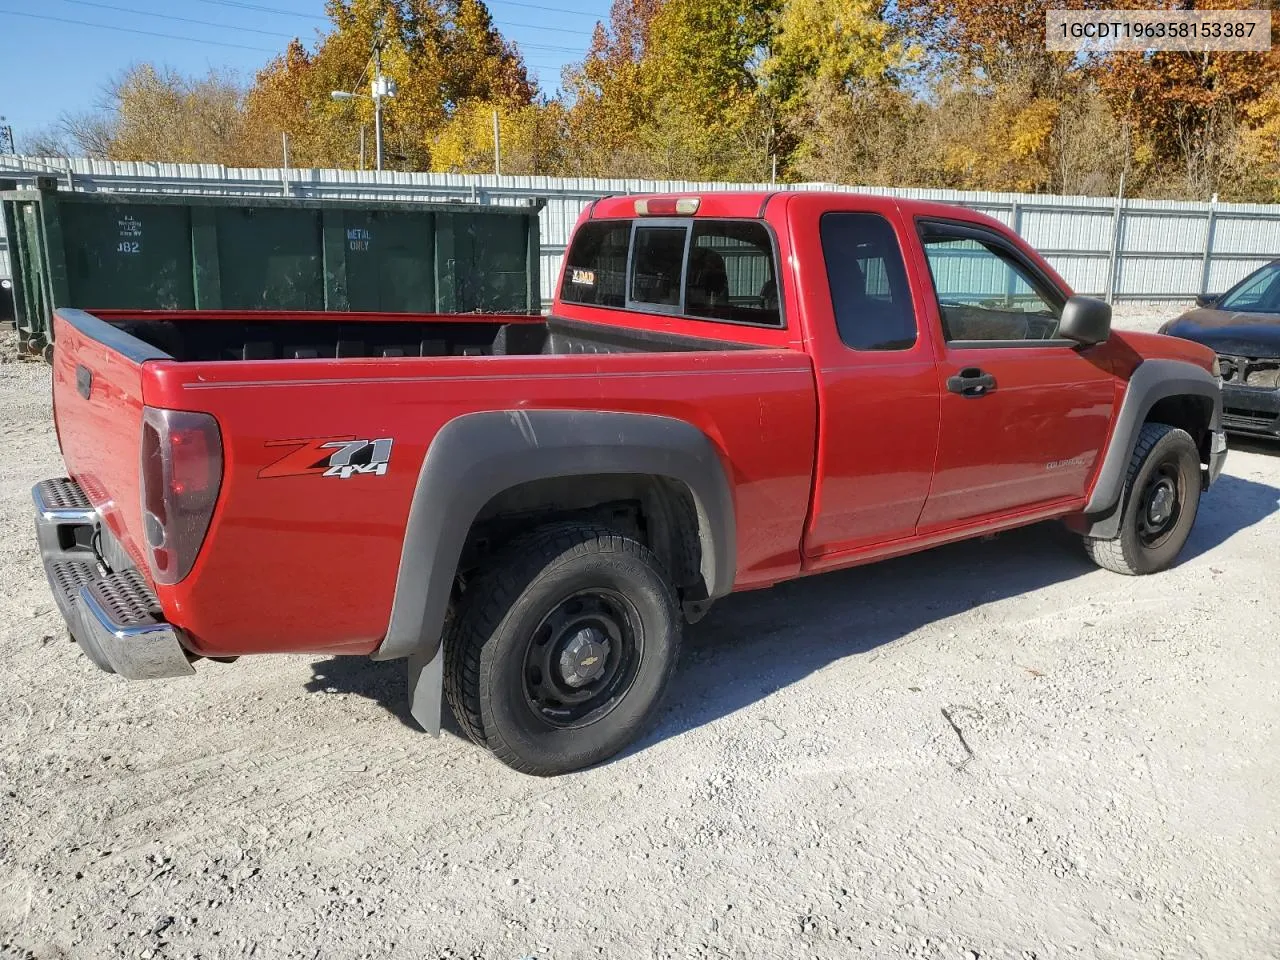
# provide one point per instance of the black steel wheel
(1160, 503)
(1161, 499)
(560, 652)
(582, 659)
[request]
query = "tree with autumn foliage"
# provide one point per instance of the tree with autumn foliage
(446, 56)
(720, 89)
(608, 101)
(937, 93)
(152, 113)
(1197, 120)
(710, 118)
(1007, 113)
(1259, 149)
(671, 89)
(531, 139)
(834, 67)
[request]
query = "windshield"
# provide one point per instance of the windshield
(1259, 293)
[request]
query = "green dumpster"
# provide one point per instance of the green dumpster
(154, 251)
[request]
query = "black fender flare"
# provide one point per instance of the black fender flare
(1151, 382)
(477, 456)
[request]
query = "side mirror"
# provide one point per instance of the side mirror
(1085, 320)
(1207, 299)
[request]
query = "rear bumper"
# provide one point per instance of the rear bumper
(112, 614)
(1254, 410)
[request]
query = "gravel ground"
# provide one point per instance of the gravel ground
(1145, 316)
(989, 750)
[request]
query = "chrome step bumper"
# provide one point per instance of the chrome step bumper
(113, 615)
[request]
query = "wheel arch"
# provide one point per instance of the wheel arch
(660, 511)
(481, 464)
(1175, 392)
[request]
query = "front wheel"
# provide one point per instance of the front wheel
(561, 651)
(1161, 497)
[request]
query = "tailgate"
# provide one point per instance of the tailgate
(97, 407)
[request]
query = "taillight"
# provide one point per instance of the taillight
(181, 475)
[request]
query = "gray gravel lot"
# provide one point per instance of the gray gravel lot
(989, 750)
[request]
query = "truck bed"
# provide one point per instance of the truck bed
(286, 546)
(219, 336)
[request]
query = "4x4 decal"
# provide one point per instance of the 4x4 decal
(341, 457)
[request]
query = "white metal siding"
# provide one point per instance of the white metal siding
(1162, 243)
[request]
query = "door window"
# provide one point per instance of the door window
(985, 294)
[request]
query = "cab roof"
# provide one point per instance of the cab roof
(751, 204)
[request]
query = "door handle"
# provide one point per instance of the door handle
(971, 382)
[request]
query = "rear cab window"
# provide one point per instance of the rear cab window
(596, 265)
(706, 269)
(870, 295)
(657, 265)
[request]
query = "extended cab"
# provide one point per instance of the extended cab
(731, 390)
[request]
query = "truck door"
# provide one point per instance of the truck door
(1025, 414)
(876, 377)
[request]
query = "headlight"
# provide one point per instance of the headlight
(1216, 369)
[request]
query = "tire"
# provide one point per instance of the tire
(560, 653)
(1152, 533)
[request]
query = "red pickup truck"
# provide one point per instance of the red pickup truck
(730, 391)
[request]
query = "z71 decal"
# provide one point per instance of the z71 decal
(341, 457)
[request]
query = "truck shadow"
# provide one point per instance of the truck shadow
(381, 681)
(754, 644)
(1234, 504)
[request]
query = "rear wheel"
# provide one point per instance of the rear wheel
(1161, 498)
(561, 651)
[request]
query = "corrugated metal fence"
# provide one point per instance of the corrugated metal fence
(1129, 250)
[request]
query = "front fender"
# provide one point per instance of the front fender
(1151, 382)
(478, 456)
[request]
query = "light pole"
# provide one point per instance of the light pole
(381, 88)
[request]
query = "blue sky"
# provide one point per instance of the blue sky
(55, 55)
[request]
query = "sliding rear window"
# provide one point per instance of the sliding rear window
(723, 270)
(596, 265)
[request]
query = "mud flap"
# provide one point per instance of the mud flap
(426, 689)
